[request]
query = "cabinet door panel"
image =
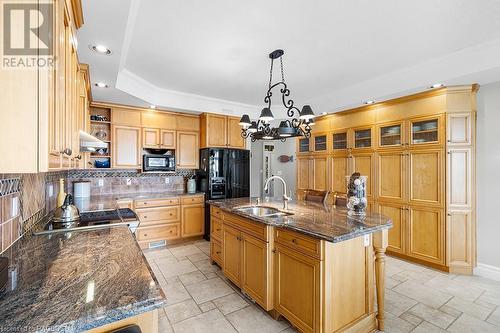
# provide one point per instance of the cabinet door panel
(187, 150)
(363, 163)
(232, 254)
(391, 182)
(459, 231)
(397, 234)
(126, 145)
(193, 220)
(216, 130)
(256, 276)
(303, 173)
(167, 139)
(340, 169)
(150, 138)
(459, 180)
(234, 139)
(426, 234)
(297, 288)
(459, 129)
(320, 170)
(426, 176)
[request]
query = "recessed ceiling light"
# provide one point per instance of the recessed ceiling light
(323, 113)
(100, 49)
(369, 102)
(101, 85)
(436, 85)
(152, 106)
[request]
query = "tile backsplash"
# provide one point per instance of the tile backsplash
(129, 181)
(24, 200)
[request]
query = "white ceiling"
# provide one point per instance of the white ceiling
(203, 55)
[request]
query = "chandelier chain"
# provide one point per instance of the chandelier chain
(282, 72)
(271, 74)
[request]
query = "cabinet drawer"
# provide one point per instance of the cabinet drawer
(157, 202)
(168, 231)
(216, 251)
(215, 227)
(125, 204)
(192, 200)
(255, 229)
(162, 214)
(216, 211)
(299, 242)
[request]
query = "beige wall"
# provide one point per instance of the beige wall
(488, 175)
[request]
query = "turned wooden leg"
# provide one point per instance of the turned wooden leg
(380, 242)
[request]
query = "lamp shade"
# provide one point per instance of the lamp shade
(306, 113)
(245, 121)
(266, 115)
(285, 130)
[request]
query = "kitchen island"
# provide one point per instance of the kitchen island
(79, 281)
(313, 264)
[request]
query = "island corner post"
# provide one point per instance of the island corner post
(380, 243)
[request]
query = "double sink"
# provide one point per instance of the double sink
(263, 211)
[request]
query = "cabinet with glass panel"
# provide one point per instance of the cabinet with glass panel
(391, 135)
(320, 143)
(339, 141)
(303, 145)
(426, 131)
(362, 138)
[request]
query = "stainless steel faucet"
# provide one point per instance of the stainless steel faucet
(286, 198)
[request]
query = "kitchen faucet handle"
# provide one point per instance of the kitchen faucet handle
(258, 202)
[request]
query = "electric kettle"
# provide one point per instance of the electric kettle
(68, 212)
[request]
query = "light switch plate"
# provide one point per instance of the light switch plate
(129, 181)
(366, 240)
(15, 206)
(51, 190)
(167, 180)
(100, 182)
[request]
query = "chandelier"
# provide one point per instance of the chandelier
(300, 121)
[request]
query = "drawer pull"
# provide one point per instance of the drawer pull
(145, 235)
(217, 229)
(218, 252)
(145, 203)
(170, 214)
(294, 241)
(273, 251)
(145, 216)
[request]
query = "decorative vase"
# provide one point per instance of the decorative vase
(356, 194)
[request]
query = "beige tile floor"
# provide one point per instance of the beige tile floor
(418, 299)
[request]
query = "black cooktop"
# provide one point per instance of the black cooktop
(95, 219)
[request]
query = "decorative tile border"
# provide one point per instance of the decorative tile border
(95, 173)
(9, 186)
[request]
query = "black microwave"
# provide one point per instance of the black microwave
(151, 162)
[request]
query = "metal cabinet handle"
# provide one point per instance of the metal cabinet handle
(145, 216)
(273, 251)
(145, 203)
(67, 151)
(294, 241)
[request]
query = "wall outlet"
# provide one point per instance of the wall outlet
(366, 240)
(279, 172)
(167, 180)
(129, 181)
(15, 206)
(100, 182)
(51, 190)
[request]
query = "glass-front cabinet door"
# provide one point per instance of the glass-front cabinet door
(425, 131)
(339, 141)
(303, 145)
(390, 135)
(362, 138)
(320, 143)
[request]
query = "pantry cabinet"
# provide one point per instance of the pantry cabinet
(320, 173)
(391, 169)
(340, 166)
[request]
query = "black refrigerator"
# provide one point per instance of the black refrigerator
(224, 173)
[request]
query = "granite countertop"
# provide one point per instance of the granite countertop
(317, 220)
(72, 282)
(109, 201)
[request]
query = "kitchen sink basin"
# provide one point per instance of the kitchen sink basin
(262, 211)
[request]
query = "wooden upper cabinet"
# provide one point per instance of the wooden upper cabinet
(187, 152)
(234, 138)
(150, 138)
(364, 163)
(320, 143)
(320, 173)
(167, 139)
(158, 119)
(339, 169)
(459, 129)
(126, 117)
(362, 138)
(303, 145)
(424, 131)
(126, 147)
(187, 123)
(213, 130)
(339, 141)
(391, 135)
(303, 169)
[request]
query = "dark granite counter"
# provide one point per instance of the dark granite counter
(325, 222)
(109, 201)
(76, 281)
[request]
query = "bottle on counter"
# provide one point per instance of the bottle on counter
(62, 194)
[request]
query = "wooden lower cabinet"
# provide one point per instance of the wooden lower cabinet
(297, 288)
(426, 234)
(397, 234)
(232, 254)
(193, 220)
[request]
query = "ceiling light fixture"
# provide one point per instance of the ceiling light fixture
(300, 121)
(323, 113)
(369, 102)
(101, 85)
(437, 85)
(100, 49)
(152, 107)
